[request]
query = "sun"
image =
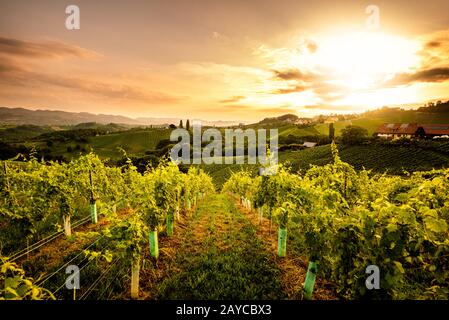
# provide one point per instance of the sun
(363, 60)
(351, 69)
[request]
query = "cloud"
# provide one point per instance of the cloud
(294, 74)
(329, 107)
(291, 74)
(297, 81)
(17, 70)
(104, 89)
(435, 50)
(220, 37)
(14, 74)
(48, 49)
(10, 66)
(296, 88)
(232, 99)
(433, 44)
(430, 75)
(245, 108)
(311, 46)
(258, 110)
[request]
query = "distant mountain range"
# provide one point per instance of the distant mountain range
(21, 116)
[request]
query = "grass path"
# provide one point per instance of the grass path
(219, 257)
(293, 267)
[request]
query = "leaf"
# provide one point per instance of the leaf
(392, 227)
(399, 266)
(12, 282)
(435, 225)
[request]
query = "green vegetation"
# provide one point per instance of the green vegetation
(135, 142)
(389, 157)
(353, 135)
(344, 221)
(36, 196)
(333, 216)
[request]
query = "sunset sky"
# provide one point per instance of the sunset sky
(236, 60)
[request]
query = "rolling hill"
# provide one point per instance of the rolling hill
(20, 116)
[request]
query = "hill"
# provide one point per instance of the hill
(391, 158)
(20, 116)
(371, 120)
(134, 142)
(22, 132)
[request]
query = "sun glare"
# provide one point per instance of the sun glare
(365, 59)
(353, 67)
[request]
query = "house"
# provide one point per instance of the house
(397, 130)
(412, 130)
(435, 130)
(303, 121)
(309, 144)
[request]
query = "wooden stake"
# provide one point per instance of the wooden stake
(135, 270)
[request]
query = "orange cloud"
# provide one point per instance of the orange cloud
(232, 99)
(48, 49)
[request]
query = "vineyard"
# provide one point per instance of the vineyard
(167, 234)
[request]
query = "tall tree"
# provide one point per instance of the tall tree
(188, 125)
(351, 135)
(331, 131)
(180, 124)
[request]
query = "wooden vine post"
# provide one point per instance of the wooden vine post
(93, 203)
(66, 218)
(135, 271)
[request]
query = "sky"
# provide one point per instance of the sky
(239, 60)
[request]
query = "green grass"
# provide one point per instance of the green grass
(133, 142)
(298, 131)
(224, 260)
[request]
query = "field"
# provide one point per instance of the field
(380, 158)
(134, 143)
(393, 159)
(219, 231)
(231, 243)
(371, 123)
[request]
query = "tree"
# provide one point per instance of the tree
(331, 131)
(188, 125)
(180, 124)
(172, 126)
(353, 135)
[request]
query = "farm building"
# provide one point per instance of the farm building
(435, 130)
(412, 130)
